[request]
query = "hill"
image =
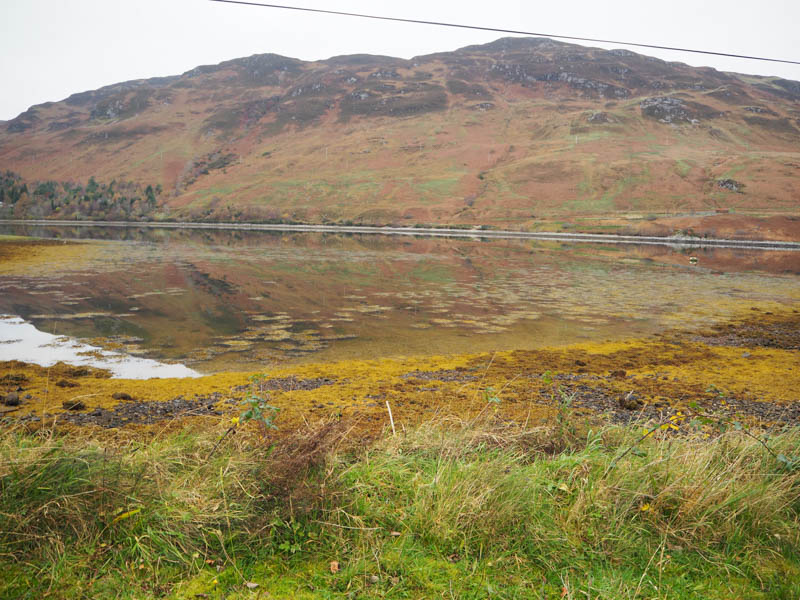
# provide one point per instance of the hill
(509, 134)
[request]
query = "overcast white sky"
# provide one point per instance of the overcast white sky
(53, 48)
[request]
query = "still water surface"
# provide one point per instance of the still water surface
(216, 300)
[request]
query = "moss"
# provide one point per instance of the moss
(43, 256)
(673, 371)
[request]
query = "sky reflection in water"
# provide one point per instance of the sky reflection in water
(20, 340)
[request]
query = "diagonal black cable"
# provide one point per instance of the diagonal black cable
(497, 30)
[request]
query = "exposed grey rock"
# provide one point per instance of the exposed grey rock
(24, 121)
(385, 74)
(760, 110)
(583, 83)
(307, 89)
(73, 405)
(599, 117)
(730, 184)
(107, 111)
(630, 401)
(11, 399)
(666, 109)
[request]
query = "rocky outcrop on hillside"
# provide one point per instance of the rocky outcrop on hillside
(730, 184)
(24, 121)
(673, 110)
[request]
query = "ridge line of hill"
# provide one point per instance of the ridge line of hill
(507, 134)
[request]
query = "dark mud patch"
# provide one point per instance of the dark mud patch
(626, 408)
(288, 384)
(137, 413)
(445, 375)
(763, 330)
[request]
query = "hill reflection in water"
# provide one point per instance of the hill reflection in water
(231, 299)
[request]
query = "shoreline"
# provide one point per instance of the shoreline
(673, 241)
(651, 377)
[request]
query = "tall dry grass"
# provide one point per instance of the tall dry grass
(547, 503)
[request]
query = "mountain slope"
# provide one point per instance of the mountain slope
(502, 134)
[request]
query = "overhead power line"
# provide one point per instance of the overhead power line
(498, 30)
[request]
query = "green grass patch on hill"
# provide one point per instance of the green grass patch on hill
(218, 190)
(682, 168)
(439, 187)
(596, 202)
(313, 191)
(733, 171)
(447, 509)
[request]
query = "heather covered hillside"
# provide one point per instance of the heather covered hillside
(505, 134)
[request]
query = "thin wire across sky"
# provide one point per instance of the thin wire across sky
(498, 30)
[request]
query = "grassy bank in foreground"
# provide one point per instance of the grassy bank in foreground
(446, 509)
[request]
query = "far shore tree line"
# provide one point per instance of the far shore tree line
(116, 200)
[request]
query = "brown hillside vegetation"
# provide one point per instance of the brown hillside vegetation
(510, 134)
